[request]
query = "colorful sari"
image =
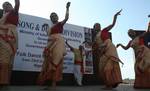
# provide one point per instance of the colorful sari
(142, 63)
(54, 54)
(8, 47)
(109, 62)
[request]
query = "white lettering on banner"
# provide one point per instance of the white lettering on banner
(33, 38)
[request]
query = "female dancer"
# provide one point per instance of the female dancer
(142, 56)
(8, 40)
(55, 50)
(109, 62)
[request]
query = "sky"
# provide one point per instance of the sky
(87, 12)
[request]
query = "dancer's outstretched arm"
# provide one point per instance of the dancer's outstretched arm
(108, 28)
(67, 13)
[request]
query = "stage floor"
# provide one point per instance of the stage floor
(122, 87)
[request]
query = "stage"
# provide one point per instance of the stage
(122, 87)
